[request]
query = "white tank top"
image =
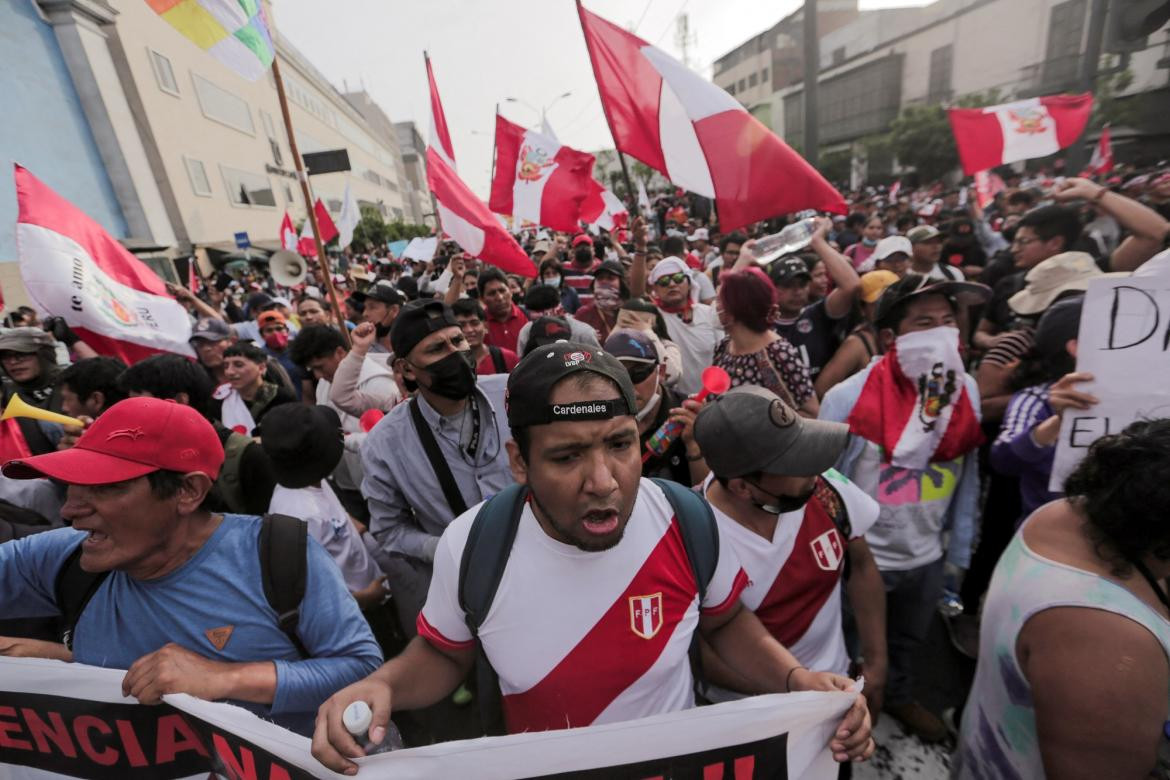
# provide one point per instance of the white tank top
(998, 736)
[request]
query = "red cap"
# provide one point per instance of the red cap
(582, 239)
(131, 439)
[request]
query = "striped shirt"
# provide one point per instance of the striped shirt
(1016, 453)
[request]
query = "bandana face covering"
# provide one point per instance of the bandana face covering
(914, 404)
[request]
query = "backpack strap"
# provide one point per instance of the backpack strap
(834, 505)
(284, 547)
(700, 535)
(498, 359)
(442, 471)
(73, 589)
(485, 556)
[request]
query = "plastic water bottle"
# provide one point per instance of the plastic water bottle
(950, 604)
(356, 719)
(788, 241)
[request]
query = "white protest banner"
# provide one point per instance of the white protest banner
(1122, 342)
(70, 720)
(421, 248)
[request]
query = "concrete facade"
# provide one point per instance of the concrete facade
(888, 59)
(413, 148)
(46, 129)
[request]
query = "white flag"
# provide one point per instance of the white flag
(643, 200)
(546, 128)
(348, 219)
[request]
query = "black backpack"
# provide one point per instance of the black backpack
(283, 566)
(489, 544)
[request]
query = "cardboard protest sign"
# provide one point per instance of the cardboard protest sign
(1123, 342)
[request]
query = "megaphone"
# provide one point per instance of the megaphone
(288, 269)
(18, 408)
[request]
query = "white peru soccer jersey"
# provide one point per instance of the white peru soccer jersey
(580, 638)
(794, 578)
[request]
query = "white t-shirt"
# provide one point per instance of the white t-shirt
(794, 579)
(581, 638)
(329, 524)
(696, 341)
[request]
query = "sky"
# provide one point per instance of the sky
(485, 52)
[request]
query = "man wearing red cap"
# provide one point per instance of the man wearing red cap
(179, 598)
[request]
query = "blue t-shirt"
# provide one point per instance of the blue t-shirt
(219, 586)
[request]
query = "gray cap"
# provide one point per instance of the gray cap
(749, 429)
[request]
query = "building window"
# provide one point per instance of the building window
(742, 85)
(1066, 27)
(731, 89)
(247, 189)
(222, 106)
(164, 74)
(273, 142)
(941, 67)
(288, 196)
(753, 79)
(200, 184)
(764, 76)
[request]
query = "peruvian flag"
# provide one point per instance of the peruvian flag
(696, 134)
(603, 210)
(471, 223)
(73, 268)
(325, 224)
(288, 234)
(1102, 159)
(892, 195)
(987, 186)
(537, 179)
(440, 136)
(1007, 133)
(306, 244)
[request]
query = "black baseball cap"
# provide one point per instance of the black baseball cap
(912, 286)
(210, 329)
(547, 330)
(788, 268)
(1059, 325)
(531, 383)
(382, 291)
(416, 321)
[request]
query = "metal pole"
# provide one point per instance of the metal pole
(322, 260)
(812, 58)
(626, 174)
(1078, 155)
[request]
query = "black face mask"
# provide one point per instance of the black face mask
(382, 331)
(782, 504)
(452, 377)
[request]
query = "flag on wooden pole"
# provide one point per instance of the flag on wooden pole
(233, 31)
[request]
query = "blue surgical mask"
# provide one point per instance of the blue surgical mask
(553, 282)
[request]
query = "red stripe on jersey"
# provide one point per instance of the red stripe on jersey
(804, 583)
(612, 657)
(737, 587)
(435, 637)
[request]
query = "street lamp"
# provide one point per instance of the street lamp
(542, 111)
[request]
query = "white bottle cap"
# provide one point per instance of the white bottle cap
(356, 718)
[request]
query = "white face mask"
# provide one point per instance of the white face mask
(652, 404)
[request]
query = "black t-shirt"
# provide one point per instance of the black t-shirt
(673, 463)
(998, 312)
(814, 334)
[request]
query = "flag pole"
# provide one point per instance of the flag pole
(322, 260)
(604, 107)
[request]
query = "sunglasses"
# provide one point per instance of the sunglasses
(640, 372)
(666, 281)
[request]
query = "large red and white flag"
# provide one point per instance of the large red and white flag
(288, 234)
(538, 179)
(604, 210)
(73, 268)
(325, 223)
(472, 225)
(696, 134)
(1102, 159)
(1010, 132)
(440, 139)
(307, 244)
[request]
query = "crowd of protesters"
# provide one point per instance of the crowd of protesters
(447, 403)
